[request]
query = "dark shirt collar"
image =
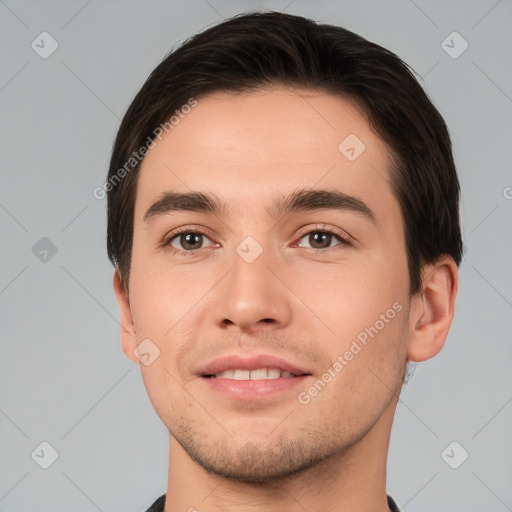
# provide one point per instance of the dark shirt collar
(158, 506)
(392, 505)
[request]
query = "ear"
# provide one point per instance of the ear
(128, 337)
(432, 310)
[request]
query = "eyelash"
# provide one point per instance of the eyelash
(343, 238)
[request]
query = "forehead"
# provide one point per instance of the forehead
(248, 148)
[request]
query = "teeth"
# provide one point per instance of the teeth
(226, 374)
(273, 373)
(259, 374)
(242, 375)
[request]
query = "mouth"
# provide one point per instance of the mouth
(255, 367)
(257, 374)
(253, 378)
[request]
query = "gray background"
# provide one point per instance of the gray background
(64, 378)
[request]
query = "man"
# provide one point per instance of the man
(283, 220)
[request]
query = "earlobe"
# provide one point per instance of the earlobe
(128, 335)
(432, 310)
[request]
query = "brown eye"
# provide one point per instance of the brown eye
(319, 240)
(191, 240)
(322, 239)
(187, 241)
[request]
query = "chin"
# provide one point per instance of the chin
(261, 463)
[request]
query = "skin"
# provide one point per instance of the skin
(306, 307)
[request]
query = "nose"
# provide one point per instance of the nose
(252, 297)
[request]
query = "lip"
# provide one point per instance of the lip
(251, 390)
(235, 361)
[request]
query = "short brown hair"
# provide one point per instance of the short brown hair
(261, 50)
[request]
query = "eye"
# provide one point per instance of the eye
(186, 241)
(322, 238)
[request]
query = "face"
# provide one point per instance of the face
(280, 321)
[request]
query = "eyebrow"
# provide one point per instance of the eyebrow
(298, 200)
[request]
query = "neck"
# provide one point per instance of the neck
(353, 480)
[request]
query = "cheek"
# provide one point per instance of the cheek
(367, 356)
(164, 390)
(353, 297)
(163, 297)
(365, 305)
